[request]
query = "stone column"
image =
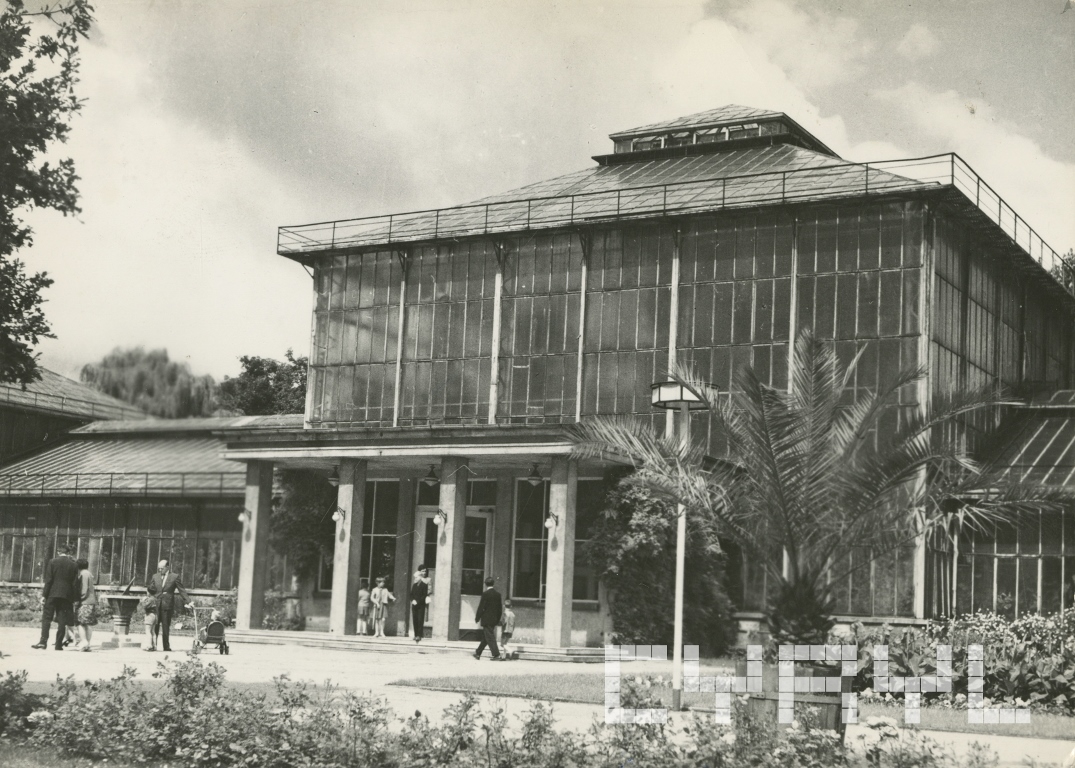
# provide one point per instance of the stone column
(449, 576)
(254, 556)
(401, 581)
(347, 552)
(560, 562)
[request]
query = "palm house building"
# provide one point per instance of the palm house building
(452, 349)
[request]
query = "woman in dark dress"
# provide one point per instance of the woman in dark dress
(419, 600)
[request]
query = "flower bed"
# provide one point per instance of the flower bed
(1028, 663)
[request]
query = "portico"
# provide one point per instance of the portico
(465, 507)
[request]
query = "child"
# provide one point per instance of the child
(203, 633)
(149, 605)
(380, 598)
(364, 607)
(507, 622)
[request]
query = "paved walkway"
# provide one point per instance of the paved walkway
(373, 671)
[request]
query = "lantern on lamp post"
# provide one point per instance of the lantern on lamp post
(673, 396)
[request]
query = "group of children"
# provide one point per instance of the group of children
(373, 609)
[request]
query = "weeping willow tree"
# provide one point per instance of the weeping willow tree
(149, 380)
(806, 478)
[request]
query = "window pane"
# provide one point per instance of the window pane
(530, 513)
(527, 578)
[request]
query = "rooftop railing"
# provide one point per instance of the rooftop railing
(839, 180)
(124, 484)
(14, 395)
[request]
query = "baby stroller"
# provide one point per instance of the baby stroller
(212, 634)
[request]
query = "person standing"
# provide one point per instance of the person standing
(57, 596)
(380, 598)
(86, 615)
(490, 610)
(363, 607)
(163, 586)
(419, 600)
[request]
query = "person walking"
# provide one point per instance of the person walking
(163, 586)
(507, 624)
(490, 610)
(420, 596)
(58, 594)
(86, 615)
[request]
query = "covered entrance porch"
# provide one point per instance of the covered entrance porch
(505, 506)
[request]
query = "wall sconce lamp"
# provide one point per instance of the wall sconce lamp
(431, 479)
(552, 520)
(245, 517)
(338, 514)
(440, 518)
(534, 478)
(334, 478)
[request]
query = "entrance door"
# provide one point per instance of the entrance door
(477, 562)
(477, 556)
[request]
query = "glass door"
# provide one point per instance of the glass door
(477, 557)
(477, 562)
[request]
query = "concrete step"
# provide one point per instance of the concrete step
(404, 645)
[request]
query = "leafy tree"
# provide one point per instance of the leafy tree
(301, 527)
(266, 386)
(157, 385)
(38, 73)
(633, 546)
(806, 479)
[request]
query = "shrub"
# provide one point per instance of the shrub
(195, 720)
(1028, 662)
(279, 615)
(15, 704)
(633, 547)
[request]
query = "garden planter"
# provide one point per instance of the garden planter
(123, 607)
(828, 705)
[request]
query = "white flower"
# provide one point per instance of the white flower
(728, 738)
(39, 716)
(795, 725)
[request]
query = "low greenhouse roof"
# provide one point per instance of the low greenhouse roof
(154, 457)
(61, 396)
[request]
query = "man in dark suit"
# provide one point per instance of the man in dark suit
(490, 610)
(163, 586)
(57, 596)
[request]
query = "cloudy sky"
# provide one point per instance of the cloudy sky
(209, 124)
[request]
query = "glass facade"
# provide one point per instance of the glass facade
(746, 284)
(125, 539)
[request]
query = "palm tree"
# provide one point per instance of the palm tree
(806, 477)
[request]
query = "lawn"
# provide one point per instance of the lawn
(588, 688)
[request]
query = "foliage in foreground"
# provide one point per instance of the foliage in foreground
(195, 720)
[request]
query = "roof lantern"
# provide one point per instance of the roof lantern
(728, 127)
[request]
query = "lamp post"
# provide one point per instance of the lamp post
(672, 396)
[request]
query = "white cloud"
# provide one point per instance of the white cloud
(175, 246)
(816, 49)
(1040, 188)
(918, 43)
(721, 63)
